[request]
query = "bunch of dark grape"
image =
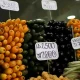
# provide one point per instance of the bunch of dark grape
(57, 31)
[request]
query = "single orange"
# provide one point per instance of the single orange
(18, 44)
(14, 75)
(16, 79)
(7, 59)
(12, 56)
(13, 21)
(18, 62)
(15, 29)
(5, 42)
(7, 53)
(22, 78)
(8, 22)
(10, 38)
(1, 56)
(3, 76)
(8, 47)
(6, 35)
(9, 77)
(17, 34)
(20, 50)
(22, 35)
(20, 28)
(76, 34)
(21, 40)
(76, 29)
(19, 56)
(17, 20)
(15, 49)
(25, 28)
(2, 50)
(78, 51)
(16, 25)
(3, 24)
(16, 39)
(15, 68)
(23, 22)
(6, 28)
(9, 71)
(0, 44)
(22, 67)
(78, 55)
(6, 65)
(19, 73)
(11, 33)
(1, 30)
(1, 62)
(12, 63)
(2, 38)
(12, 43)
(11, 27)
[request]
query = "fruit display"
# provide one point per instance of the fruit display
(73, 70)
(75, 23)
(54, 31)
(11, 37)
(36, 34)
(57, 31)
(47, 76)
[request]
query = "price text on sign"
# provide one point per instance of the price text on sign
(49, 5)
(46, 50)
(10, 5)
(75, 42)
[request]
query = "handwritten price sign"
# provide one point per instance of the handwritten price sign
(9, 5)
(46, 50)
(49, 5)
(75, 42)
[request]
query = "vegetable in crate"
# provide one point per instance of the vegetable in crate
(73, 70)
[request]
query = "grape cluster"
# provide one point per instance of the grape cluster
(58, 32)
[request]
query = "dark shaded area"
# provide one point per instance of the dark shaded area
(32, 9)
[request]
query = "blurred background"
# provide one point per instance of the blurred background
(32, 9)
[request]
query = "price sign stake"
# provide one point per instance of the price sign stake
(73, 36)
(9, 5)
(46, 51)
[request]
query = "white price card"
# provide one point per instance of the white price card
(10, 5)
(46, 51)
(75, 42)
(49, 5)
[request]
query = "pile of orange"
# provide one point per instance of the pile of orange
(48, 76)
(11, 37)
(75, 23)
